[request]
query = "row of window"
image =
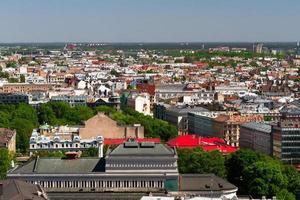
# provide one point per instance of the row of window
(140, 165)
(42, 146)
(100, 184)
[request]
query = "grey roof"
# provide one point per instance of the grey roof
(290, 109)
(15, 189)
(61, 166)
(203, 182)
(266, 128)
(186, 109)
(170, 87)
(141, 150)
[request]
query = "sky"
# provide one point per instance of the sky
(149, 20)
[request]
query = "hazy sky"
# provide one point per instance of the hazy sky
(149, 20)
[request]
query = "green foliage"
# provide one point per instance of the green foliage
(261, 175)
(5, 160)
(199, 161)
(90, 152)
(153, 127)
(54, 154)
(11, 64)
(4, 75)
(284, 194)
(114, 72)
(22, 78)
(264, 179)
(61, 113)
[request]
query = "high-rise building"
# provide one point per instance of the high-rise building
(286, 135)
(259, 48)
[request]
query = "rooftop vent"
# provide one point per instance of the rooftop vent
(131, 145)
(147, 145)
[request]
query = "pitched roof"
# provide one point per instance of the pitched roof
(15, 189)
(204, 182)
(61, 166)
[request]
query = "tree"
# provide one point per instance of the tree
(12, 64)
(22, 78)
(294, 179)
(199, 161)
(5, 160)
(90, 152)
(264, 179)
(284, 194)
(236, 164)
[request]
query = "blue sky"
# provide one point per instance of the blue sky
(149, 20)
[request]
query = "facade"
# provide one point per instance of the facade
(24, 88)
(103, 125)
(286, 135)
(8, 139)
(176, 115)
(62, 138)
(13, 98)
(140, 102)
(73, 100)
(256, 136)
(220, 124)
(145, 167)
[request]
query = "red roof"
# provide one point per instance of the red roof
(111, 141)
(207, 143)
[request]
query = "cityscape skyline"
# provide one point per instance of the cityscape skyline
(155, 21)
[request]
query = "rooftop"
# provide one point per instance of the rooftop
(61, 166)
(132, 148)
(204, 182)
(15, 189)
(258, 126)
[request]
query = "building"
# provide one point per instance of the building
(286, 135)
(206, 185)
(259, 48)
(220, 124)
(13, 98)
(140, 102)
(176, 115)
(72, 100)
(144, 167)
(206, 143)
(108, 128)
(256, 136)
(24, 88)
(62, 138)
(8, 139)
(16, 189)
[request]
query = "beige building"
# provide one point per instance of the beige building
(24, 87)
(103, 125)
(8, 139)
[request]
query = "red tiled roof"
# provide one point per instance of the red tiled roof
(207, 143)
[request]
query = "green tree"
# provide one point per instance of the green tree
(12, 64)
(236, 164)
(90, 152)
(199, 161)
(22, 78)
(284, 194)
(5, 160)
(264, 179)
